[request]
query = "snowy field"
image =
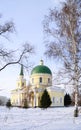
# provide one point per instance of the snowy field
(37, 119)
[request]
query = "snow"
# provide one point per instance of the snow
(58, 118)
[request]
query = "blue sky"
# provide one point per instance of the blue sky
(27, 16)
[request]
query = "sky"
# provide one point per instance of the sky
(28, 16)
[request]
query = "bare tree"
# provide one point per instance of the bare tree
(63, 28)
(18, 56)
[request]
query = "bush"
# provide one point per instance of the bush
(8, 104)
(45, 101)
(67, 100)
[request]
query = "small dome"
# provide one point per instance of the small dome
(41, 69)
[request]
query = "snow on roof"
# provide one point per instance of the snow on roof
(55, 88)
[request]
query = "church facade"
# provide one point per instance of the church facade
(40, 79)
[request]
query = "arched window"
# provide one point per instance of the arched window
(40, 80)
(48, 80)
(53, 99)
(60, 99)
(32, 80)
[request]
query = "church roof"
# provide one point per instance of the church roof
(21, 71)
(41, 69)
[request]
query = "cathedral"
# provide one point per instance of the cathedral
(40, 79)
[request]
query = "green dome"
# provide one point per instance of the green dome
(41, 69)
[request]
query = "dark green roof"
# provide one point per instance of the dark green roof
(21, 71)
(41, 69)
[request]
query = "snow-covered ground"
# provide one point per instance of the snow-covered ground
(37, 119)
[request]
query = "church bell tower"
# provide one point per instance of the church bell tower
(21, 82)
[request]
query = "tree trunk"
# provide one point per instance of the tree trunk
(76, 89)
